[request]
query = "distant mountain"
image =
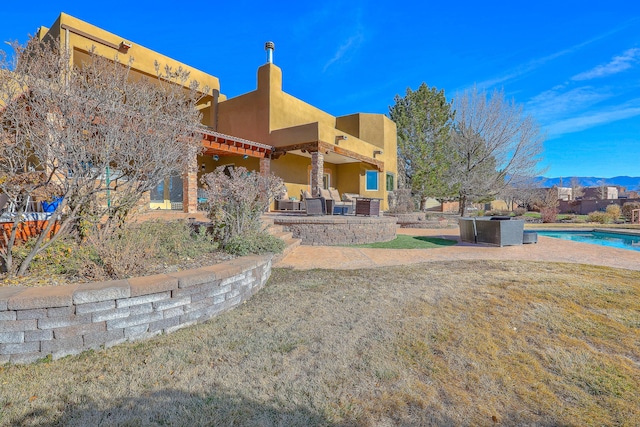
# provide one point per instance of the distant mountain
(630, 182)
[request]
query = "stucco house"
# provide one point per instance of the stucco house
(266, 130)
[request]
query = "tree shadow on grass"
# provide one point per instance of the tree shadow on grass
(437, 241)
(171, 407)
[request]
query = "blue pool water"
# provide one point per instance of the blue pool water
(616, 240)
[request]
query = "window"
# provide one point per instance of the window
(390, 181)
(157, 193)
(371, 181)
(326, 180)
(175, 188)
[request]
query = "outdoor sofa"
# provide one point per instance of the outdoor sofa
(500, 231)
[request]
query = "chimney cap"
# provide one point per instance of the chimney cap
(269, 45)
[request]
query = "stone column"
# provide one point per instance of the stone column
(265, 166)
(190, 186)
(317, 172)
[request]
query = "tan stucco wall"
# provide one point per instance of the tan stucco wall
(267, 115)
(144, 59)
(272, 116)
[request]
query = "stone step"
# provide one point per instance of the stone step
(290, 244)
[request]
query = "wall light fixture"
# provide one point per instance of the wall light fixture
(340, 138)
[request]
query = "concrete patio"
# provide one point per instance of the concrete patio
(547, 249)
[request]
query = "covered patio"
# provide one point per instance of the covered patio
(171, 195)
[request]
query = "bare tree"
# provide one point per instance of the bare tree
(603, 189)
(522, 193)
(577, 190)
(495, 146)
(93, 134)
(547, 203)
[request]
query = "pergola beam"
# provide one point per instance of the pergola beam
(326, 148)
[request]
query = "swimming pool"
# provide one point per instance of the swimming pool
(615, 240)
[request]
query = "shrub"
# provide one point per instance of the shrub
(123, 252)
(614, 212)
(177, 239)
(548, 214)
(519, 211)
(600, 217)
(254, 243)
(401, 201)
(128, 251)
(236, 199)
(63, 257)
(628, 207)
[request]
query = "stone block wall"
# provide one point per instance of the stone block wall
(333, 230)
(64, 320)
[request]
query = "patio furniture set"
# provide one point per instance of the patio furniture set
(497, 230)
(329, 202)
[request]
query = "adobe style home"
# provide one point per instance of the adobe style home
(266, 130)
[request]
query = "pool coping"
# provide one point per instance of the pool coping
(628, 232)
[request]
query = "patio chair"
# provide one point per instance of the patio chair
(335, 203)
(313, 205)
(283, 202)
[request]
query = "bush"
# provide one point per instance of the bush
(63, 257)
(600, 217)
(236, 199)
(628, 207)
(549, 215)
(401, 201)
(519, 211)
(127, 251)
(614, 212)
(254, 243)
(177, 239)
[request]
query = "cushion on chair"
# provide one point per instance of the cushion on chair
(283, 195)
(325, 194)
(335, 195)
(306, 195)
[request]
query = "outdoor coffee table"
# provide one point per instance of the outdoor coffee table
(289, 205)
(367, 206)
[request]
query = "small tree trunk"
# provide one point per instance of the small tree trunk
(463, 204)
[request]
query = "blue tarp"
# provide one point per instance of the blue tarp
(51, 206)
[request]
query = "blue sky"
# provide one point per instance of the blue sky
(573, 65)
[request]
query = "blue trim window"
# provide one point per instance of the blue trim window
(372, 178)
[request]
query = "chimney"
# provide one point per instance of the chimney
(269, 47)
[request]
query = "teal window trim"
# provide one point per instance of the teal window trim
(372, 181)
(390, 181)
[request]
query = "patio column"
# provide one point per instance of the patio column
(317, 172)
(190, 186)
(265, 166)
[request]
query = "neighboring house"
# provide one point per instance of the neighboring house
(266, 130)
(565, 193)
(600, 193)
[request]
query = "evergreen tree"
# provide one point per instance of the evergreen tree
(424, 121)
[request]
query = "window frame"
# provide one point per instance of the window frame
(366, 180)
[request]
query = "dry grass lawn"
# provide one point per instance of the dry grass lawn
(460, 343)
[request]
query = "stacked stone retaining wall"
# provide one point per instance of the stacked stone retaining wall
(62, 320)
(335, 230)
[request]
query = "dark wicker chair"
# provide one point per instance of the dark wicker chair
(315, 206)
